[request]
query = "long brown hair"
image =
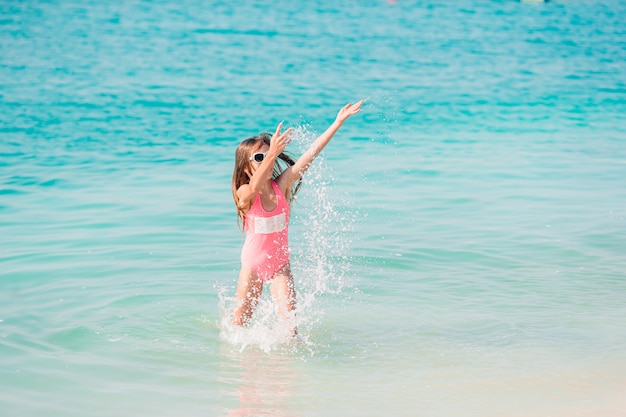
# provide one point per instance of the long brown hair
(242, 171)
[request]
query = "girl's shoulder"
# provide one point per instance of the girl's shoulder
(242, 188)
(245, 195)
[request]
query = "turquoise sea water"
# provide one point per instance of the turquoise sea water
(458, 248)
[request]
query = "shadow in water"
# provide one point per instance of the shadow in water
(256, 383)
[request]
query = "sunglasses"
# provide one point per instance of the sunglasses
(258, 157)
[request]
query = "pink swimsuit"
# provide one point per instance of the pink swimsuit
(266, 249)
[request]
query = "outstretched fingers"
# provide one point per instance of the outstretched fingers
(280, 140)
(278, 129)
(349, 110)
(355, 108)
(286, 137)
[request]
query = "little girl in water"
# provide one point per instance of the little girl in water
(265, 181)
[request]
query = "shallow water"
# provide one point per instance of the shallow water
(458, 248)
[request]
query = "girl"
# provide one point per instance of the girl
(265, 181)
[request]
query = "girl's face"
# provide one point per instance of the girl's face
(254, 164)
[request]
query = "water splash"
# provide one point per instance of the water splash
(266, 331)
(322, 246)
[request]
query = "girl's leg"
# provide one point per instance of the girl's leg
(248, 292)
(284, 293)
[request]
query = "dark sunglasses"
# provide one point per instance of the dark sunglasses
(258, 157)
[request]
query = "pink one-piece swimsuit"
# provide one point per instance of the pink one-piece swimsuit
(266, 249)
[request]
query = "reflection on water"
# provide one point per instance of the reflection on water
(255, 383)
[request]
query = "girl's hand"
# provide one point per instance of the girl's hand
(279, 141)
(348, 110)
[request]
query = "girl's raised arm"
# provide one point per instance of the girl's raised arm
(295, 172)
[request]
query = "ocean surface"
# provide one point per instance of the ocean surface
(459, 248)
